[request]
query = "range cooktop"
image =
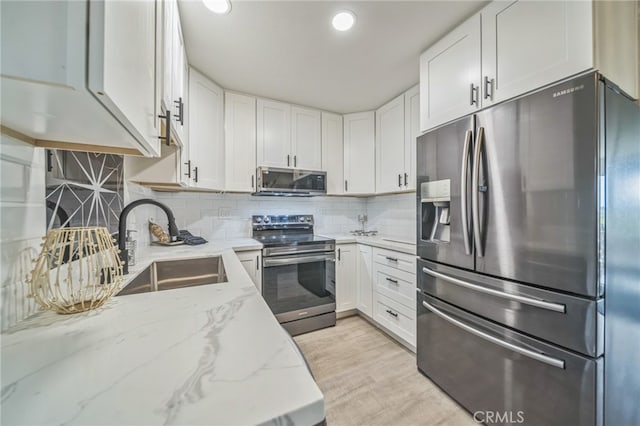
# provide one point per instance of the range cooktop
(291, 239)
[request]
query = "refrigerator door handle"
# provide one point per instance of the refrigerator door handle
(554, 362)
(463, 192)
(555, 307)
(475, 211)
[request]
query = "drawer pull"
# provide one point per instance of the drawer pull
(556, 307)
(391, 280)
(392, 259)
(554, 362)
(393, 314)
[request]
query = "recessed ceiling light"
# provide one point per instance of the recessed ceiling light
(220, 7)
(344, 20)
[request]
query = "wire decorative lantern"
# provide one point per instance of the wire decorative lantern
(77, 270)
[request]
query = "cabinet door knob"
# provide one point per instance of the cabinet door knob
(346, 186)
(188, 164)
(406, 179)
(399, 180)
(195, 172)
(295, 161)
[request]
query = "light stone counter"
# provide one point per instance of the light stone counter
(212, 354)
(377, 241)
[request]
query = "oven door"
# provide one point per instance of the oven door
(297, 287)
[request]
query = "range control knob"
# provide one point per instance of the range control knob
(266, 219)
(258, 220)
(301, 219)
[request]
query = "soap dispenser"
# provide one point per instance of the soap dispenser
(131, 245)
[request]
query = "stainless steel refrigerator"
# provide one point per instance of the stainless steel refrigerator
(529, 257)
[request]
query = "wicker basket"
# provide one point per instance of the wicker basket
(77, 270)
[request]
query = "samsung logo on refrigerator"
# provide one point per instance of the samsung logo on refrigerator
(568, 91)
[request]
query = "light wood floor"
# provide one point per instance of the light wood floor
(369, 379)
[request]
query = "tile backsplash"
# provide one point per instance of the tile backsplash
(227, 216)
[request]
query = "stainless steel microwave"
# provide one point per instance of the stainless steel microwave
(290, 182)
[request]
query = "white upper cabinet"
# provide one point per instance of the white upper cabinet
(390, 146)
(397, 127)
(167, 8)
(306, 143)
(179, 82)
(411, 133)
(450, 75)
(513, 47)
(240, 142)
(359, 153)
(274, 134)
(288, 136)
(333, 152)
(206, 132)
(527, 44)
(59, 57)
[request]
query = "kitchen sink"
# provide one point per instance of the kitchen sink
(172, 274)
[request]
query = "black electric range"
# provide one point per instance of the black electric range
(298, 272)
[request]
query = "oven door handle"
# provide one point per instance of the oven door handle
(268, 262)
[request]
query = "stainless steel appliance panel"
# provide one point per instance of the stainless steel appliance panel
(292, 182)
(440, 157)
(488, 368)
(573, 322)
(536, 184)
(622, 380)
(296, 287)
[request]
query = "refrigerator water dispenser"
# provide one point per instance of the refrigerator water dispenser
(436, 216)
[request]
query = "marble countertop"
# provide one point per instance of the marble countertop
(388, 243)
(212, 354)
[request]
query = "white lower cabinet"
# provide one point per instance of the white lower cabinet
(394, 293)
(252, 263)
(346, 277)
(364, 280)
(395, 317)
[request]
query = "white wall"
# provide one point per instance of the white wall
(22, 225)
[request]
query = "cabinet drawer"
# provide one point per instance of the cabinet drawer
(402, 261)
(397, 285)
(395, 317)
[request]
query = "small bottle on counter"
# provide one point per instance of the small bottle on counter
(131, 245)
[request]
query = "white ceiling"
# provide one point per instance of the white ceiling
(288, 50)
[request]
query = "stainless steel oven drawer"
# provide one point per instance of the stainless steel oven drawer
(573, 322)
(497, 372)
